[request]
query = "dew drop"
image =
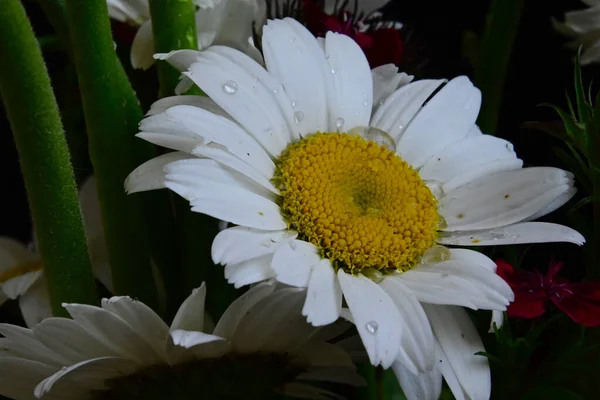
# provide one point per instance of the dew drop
(339, 122)
(293, 245)
(442, 224)
(293, 104)
(372, 327)
(366, 104)
(298, 117)
(230, 87)
(435, 254)
(274, 91)
(437, 191)
(374, 135)
(333, 71)
(510, 147)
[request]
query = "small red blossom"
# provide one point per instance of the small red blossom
(533, 290)
(381, 46)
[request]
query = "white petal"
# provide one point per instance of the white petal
(248, 99)
(234, 205)
(202, 102)
(180, 59)
(386, 79)
(13, 253)
(503, 198)
(350, 94)
(136, 11)
(442, 288)
(204, 127)
(323, 296)
(396, 112)
(459, 342)
(294, 261)
(201, 173)
(201, 345)
(445, 119)
(497, 320)
(376, 317)
(114, 333)
(35, 303)
(141, 319)
(507, 164)
(473, 257)
(466, 155)
(19, 285)
(150, 175)
(424, 386)
(293, 56)
(18, 377)
(526, 232)
(250, 271)
(582, 21)
(554, 205)
(22, 342)
(190, 316)
(143, 47)
(417, 339)
(261, 327)
(237, 244)
(70, 340)
(231, 318)
(496, 290)
(81, 379)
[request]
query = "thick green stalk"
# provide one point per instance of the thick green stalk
(495, 51)
(35, 121)
(112, 113)
(174, 28)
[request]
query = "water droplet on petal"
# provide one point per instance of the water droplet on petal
(339, 122)
(375, 135)
(510, 147)
(366, 104)
(435, 254)
(298, 117)
(293, 245)
(293, 104)
(372, 327)
(442, 224)
(230, 87)
(436, 189)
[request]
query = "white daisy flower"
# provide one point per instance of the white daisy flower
(123, 350)
(21, 274)
(221, 22)
(352, 193)
(584, 27)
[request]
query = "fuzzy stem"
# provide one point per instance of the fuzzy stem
(44, 156)
(112, 112)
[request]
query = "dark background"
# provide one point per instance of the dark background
(540, 71)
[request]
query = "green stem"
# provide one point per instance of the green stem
(35, 121)
(112, 113)
(174, 28)
(495, 50)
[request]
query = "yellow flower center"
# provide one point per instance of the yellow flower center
(20, 270)
(364, 207)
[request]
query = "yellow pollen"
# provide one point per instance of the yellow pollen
(20, 270)
(364, 207)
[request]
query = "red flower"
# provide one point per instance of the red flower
(381, 46)
(580, 301)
